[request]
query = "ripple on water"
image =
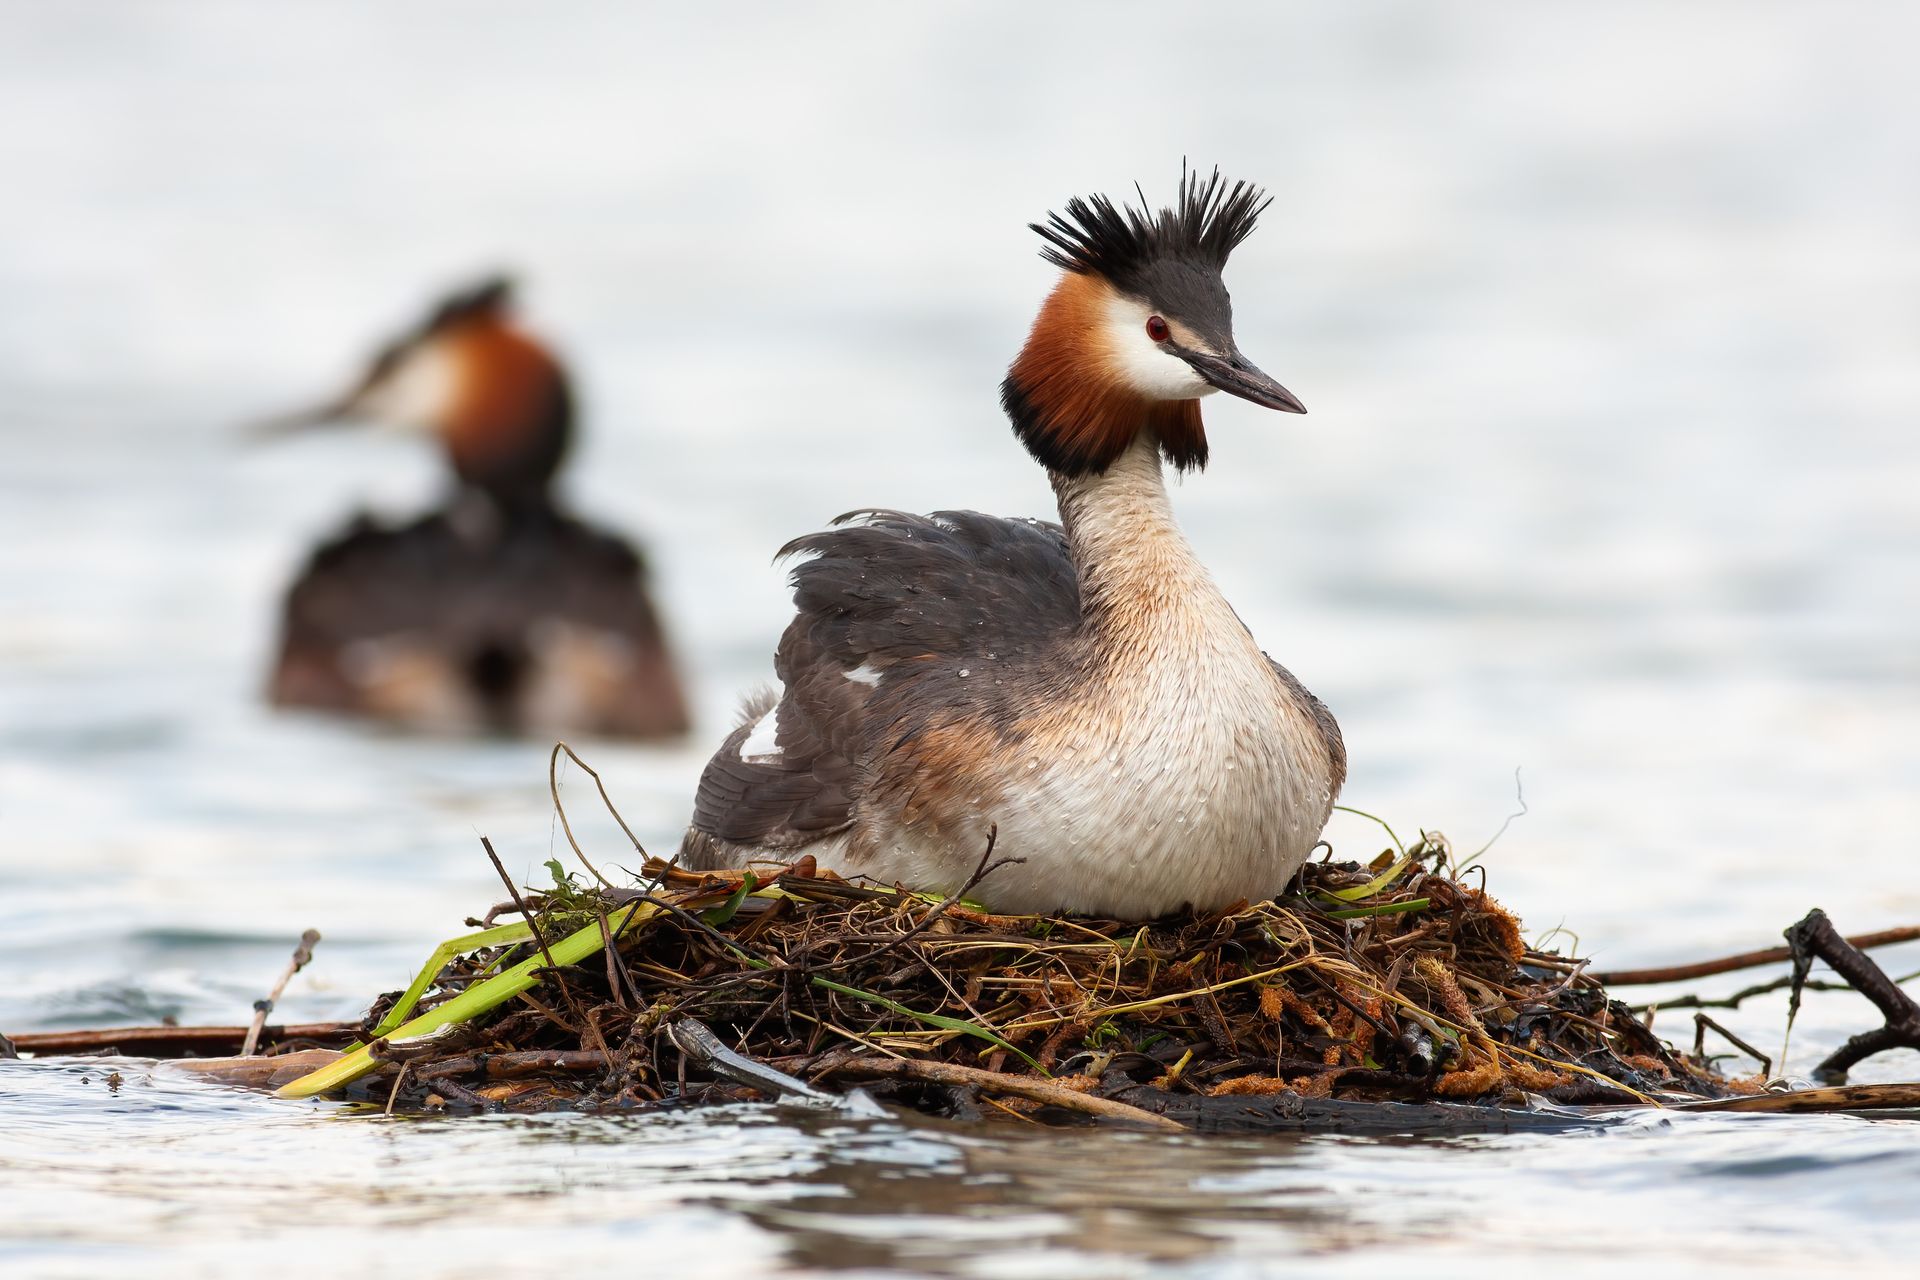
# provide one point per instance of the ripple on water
(153, 1165)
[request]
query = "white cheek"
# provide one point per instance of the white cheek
(1143, 365)
(418, 395)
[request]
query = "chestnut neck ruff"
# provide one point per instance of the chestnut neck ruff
(1068, 402)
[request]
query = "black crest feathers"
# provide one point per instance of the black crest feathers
(1205, 225)
(487, 296)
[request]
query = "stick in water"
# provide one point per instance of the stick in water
(1042, 1091)
(261, 1008)
(1745, 960)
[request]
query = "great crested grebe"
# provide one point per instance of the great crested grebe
(1081, 689)
(497, 612)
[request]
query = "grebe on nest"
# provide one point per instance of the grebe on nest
(497, 612)
(1082, 689)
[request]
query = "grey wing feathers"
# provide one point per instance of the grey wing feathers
(788, 801)
(953, 584)
(1322, 719)
(879, 589)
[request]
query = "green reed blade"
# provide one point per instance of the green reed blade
(498, 936)
(1373, 886)
(1384, 909)
(945, 1023)
(471, 1003)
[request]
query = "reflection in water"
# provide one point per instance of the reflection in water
(1083, 1203)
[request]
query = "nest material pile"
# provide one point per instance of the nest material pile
(1395, 982)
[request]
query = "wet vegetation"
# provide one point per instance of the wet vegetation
(1390, 982)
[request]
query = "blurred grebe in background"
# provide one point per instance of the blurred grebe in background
(498, 612)
(1083, 689)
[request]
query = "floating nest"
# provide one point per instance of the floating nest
(1393, 997)
(1397, 996)
(1397, 982)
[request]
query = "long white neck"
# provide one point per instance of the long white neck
(1140, 581)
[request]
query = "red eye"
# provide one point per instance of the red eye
(1157, 329)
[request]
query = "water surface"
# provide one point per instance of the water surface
(1607, 329)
